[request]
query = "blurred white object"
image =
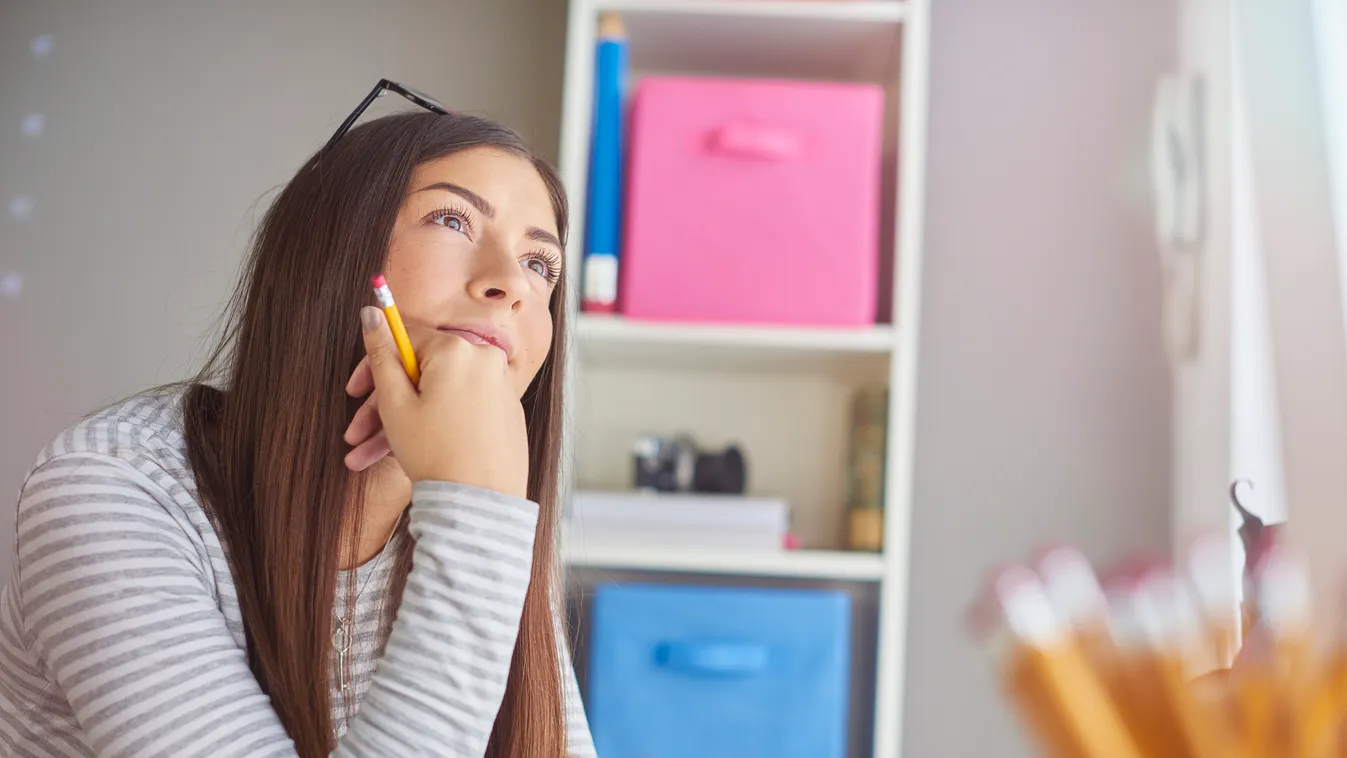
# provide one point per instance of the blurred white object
(41, 46)
(1176, 176)
(34, 124)
(11, 284)
(1176, 160)
(632, 518)
(1291, 90)
(21, 207)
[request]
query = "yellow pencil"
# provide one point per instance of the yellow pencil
(390, 309)
(1048, 675)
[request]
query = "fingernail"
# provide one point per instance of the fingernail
(370, 318)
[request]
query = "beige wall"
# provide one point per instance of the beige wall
(167, 125)
(1044, 396)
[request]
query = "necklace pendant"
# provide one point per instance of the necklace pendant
(341, 638)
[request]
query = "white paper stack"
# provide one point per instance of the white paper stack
(676, 520)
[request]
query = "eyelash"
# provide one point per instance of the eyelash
(553, 262)
(464, 216)
(456, 211)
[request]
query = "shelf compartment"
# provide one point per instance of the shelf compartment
(847, 41)
(615, 341)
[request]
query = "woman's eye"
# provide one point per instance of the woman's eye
(546, 266)
(451, 221)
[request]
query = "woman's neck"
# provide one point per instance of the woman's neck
(387, 492)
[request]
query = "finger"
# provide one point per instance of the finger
(362, 380)
(385, 363)
(365, 423)
(454, 347)
(369, 452)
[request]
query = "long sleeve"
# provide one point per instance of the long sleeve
(442, 677)
(118, 601)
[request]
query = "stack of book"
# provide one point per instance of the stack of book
(689, 520)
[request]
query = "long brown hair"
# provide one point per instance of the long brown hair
(266, 444)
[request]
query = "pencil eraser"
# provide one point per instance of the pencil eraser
(1129, 573)
(378, 281)
(983, 615)
(1025, 607)
(1072, 585)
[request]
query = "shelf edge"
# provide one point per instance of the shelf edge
(864, 11)
(804, 564)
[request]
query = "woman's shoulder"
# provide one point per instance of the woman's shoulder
(148, 425)
(139, 442)
(123, 464)
(111, 503)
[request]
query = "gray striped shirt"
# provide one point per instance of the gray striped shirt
(120, 632)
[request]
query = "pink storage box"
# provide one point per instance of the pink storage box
(753, 201)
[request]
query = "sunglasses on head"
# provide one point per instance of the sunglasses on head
(384, 85)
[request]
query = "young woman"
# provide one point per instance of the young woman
(231, 567)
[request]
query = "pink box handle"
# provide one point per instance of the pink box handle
(744, 140)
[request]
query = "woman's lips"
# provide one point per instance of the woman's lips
(478, 336)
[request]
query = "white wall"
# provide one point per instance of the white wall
(1278, 358)
(166, 126)
(1289, 164)
(1044, 394)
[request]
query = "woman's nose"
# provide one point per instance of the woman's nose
(498, 278)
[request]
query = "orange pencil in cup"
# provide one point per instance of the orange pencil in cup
(390, 309)
(1174, 628)
(1138, 678)
(1322, 732)
(1028, 697)
(1078, 597)
(1268, 682)
(1045, 673)
(1208, 562)
(1285, 599)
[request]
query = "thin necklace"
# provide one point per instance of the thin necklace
(343, 631)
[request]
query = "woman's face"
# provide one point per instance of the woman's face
(475, 251)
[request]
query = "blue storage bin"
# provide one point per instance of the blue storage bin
(716, 672)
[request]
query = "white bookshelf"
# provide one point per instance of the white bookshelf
(783, 393)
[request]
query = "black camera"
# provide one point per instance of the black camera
(677, 464)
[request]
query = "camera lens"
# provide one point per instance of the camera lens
(723, 472)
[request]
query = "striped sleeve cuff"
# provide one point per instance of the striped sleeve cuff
(437, 505)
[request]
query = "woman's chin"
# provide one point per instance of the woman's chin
(389, 485)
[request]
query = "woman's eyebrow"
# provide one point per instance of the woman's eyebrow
(480, 203)
(542, 235)
(484, 206)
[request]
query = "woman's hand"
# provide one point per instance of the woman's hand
(464, 423)
(365, 434)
